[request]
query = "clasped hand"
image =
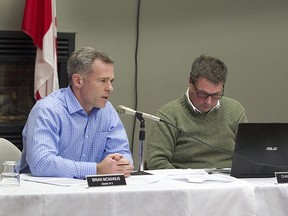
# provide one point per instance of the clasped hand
(115, 163)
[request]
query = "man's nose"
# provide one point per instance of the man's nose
(109, 87)
(208, 99)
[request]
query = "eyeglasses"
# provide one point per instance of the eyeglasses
(215, 96)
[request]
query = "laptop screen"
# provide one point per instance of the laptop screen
(261, 149)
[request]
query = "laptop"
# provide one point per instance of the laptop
(261, 149)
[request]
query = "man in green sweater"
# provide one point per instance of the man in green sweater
(205, 123)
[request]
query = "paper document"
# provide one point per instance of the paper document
(194, 175)
(53, 180)
(142, 180)
(212, 177)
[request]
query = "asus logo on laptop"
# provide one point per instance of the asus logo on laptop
(271, 148)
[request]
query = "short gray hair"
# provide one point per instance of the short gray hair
(81, 61)
(208, 67)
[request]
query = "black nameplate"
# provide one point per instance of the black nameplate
(282, 177)
(105, 180)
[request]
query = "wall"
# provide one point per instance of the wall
(250, 36)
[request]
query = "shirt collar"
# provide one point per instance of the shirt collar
(73, 104)
(217, 106)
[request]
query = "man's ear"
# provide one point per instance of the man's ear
(77, 80)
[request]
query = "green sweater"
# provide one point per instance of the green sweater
(168, 147)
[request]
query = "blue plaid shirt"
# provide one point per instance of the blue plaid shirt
(60, 139)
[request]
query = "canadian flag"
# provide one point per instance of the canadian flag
(39, 22)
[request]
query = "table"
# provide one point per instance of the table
(157, 194)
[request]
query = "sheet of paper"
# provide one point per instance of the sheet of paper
(53, 180)
(211, 177)
(193, 175)
(142, 180)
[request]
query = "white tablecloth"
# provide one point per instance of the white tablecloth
(271, 199)
(157, 194)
